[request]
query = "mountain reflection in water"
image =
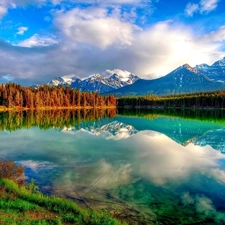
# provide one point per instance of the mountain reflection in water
(156, 169)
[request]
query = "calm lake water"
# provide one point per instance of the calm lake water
(150, 168)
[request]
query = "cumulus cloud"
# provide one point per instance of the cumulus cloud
(95, 27)
(191, 8)
(202, 203)
(21, 30)
(94, 39)
(37, 165)
(149, 53)
(3, 11)
(167, 162)
(37, 41)
(165, 46)
(154, 51)
(6, 4)
(215, 36)
(208, 5)
(108, 2)
(204, 6)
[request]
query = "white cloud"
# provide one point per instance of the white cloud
(21, 30)
(104, 2)
(191, 8)
(3, 11)
(37, 41)
(167, 161)
(165, 46)
(151, 52)
(6, 78)
(215, 36)
(208, 5)
(94, 39)
(204, 6)
(94, 27)
(202, 204)
(36, 166)
(6, 4)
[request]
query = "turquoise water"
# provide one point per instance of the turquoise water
(164, 170)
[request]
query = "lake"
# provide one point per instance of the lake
(148, 167)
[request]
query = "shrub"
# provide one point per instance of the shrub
(10, 170)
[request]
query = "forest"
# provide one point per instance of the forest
(16, 96)
(213, 100)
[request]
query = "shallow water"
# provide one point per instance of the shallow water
(153, 170)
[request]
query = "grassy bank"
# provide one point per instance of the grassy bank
(25, 205)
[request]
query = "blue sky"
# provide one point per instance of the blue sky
(42, 39)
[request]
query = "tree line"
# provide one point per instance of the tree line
(214, 99)
(16, 96)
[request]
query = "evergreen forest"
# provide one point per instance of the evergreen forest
(214, 100)
(16, 96)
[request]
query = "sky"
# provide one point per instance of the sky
(43, 39)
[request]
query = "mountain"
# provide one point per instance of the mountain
(184, 79)
(214, 72)
(214, 138)
(180, 130)
(97, 82)
(110, 129)
(65, 80)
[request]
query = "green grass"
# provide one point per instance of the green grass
(26, 205)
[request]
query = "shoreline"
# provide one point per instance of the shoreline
(128, 107)
(5, 109)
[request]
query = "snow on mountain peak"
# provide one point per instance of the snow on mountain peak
(96, 82)
(124, 75)
(64, 80)
(93, 77)
(220, 62)
(70, 78)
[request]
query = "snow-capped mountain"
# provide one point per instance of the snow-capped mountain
(184, 79)
(65, 80)
(213, 138)
(117, 81)
(214, 72)
(112, 130)
(96, 82)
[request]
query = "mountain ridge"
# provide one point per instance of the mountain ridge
(95, 82)
(184, 79)
(214, 72)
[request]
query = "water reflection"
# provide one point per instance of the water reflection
(157, 170)
(46, 119)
